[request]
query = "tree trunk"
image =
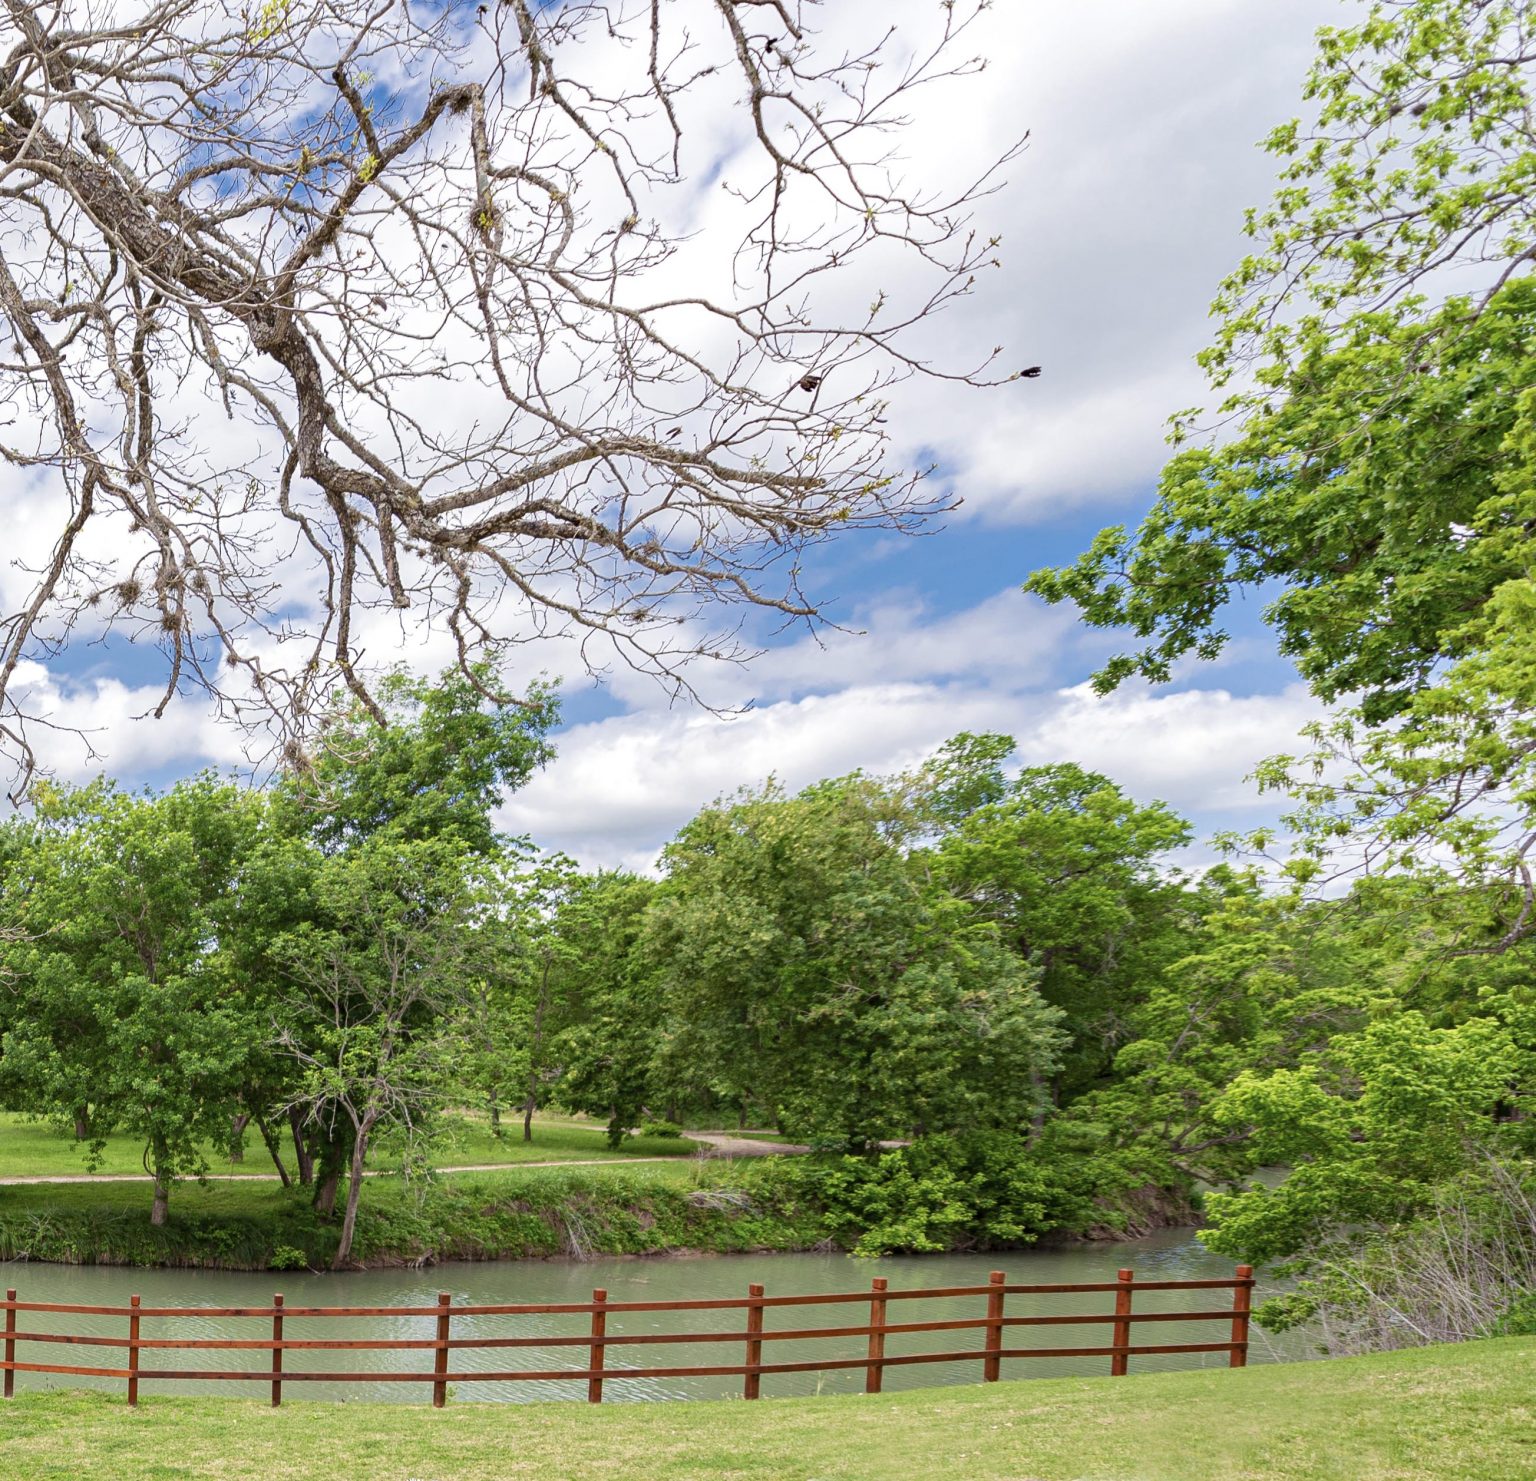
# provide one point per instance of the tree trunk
(535, 1055)
(343, 1253)
(302, 1159)
(276, 1153)
(82, 1123)
(495, 1110)
(328, 1175)
(325, 1189)
(160, 1209)
(237, 1135)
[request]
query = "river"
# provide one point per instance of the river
(1170, 1255)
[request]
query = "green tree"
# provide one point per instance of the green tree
(382, 1000)
(820, 972)
(1381, 482)
(1070, 870)
(124, 1017)
(610, 1001)
(428, 766)
(433, 760)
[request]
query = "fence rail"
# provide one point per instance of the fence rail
(993, 1324)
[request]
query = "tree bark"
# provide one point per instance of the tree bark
(236, 1135)
(82, 1123)
(495, 1110)
(276, 1153)
(528, 1118)
(302, 1160)
(343, 1253)
(326, 1186)
(159, 1210)
(328, 1175)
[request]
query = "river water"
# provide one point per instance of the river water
(1171, 1255)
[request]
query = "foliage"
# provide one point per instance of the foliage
(1383, 497)
(120, 1013)
(1375, 1124)
(429, 760)
(1380, 479)
(380, 1004)
(1071, 871)
(975, 1191)
(1464, 1268)
(608, 1002)
(819, 971)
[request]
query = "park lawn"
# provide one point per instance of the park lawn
(260, 1201)
(1463, 1413)
(30, 1148)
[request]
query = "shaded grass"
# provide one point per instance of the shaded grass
(30, 1148)
(1441, 1414)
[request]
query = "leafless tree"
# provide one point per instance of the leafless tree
(323, 310)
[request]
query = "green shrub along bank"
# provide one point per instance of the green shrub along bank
(943, 1194)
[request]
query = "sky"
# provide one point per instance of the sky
(1118, 221)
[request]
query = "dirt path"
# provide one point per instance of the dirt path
(732, 1144)
(719, 1144)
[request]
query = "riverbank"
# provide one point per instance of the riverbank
(1460, 1413)
(941, 1195)
(525, 1213)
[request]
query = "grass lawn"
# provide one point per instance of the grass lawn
(1462, 1413)
(622, 1207)
(34, 1149)
(257, 1199)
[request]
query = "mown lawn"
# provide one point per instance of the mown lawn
(31, 1148)
(1442, 1414)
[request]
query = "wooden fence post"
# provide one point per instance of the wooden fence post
(440, 1354)
(133, 1350)
(752, 1384)
(595, 1353)
(1120, 1361)
(992, 1364)
(277, 1351)
(1242, 1303)
(10, 1345)
(874, 1375)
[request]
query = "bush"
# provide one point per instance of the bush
(980, 1190)
(661, 1128)
(1465, 1269)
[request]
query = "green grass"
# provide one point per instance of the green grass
(509, 1213)
(1441, 1414)
(30, 1148)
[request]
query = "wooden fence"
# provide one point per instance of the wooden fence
(993, 1323)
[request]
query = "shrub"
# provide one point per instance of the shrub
(979, 1190)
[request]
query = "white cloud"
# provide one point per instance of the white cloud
(1117, 223)
(621, 786)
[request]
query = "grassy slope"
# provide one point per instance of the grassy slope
(506, 1214)
(34, 1149)
(1442, 1414)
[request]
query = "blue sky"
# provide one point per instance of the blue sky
(1118, 221)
